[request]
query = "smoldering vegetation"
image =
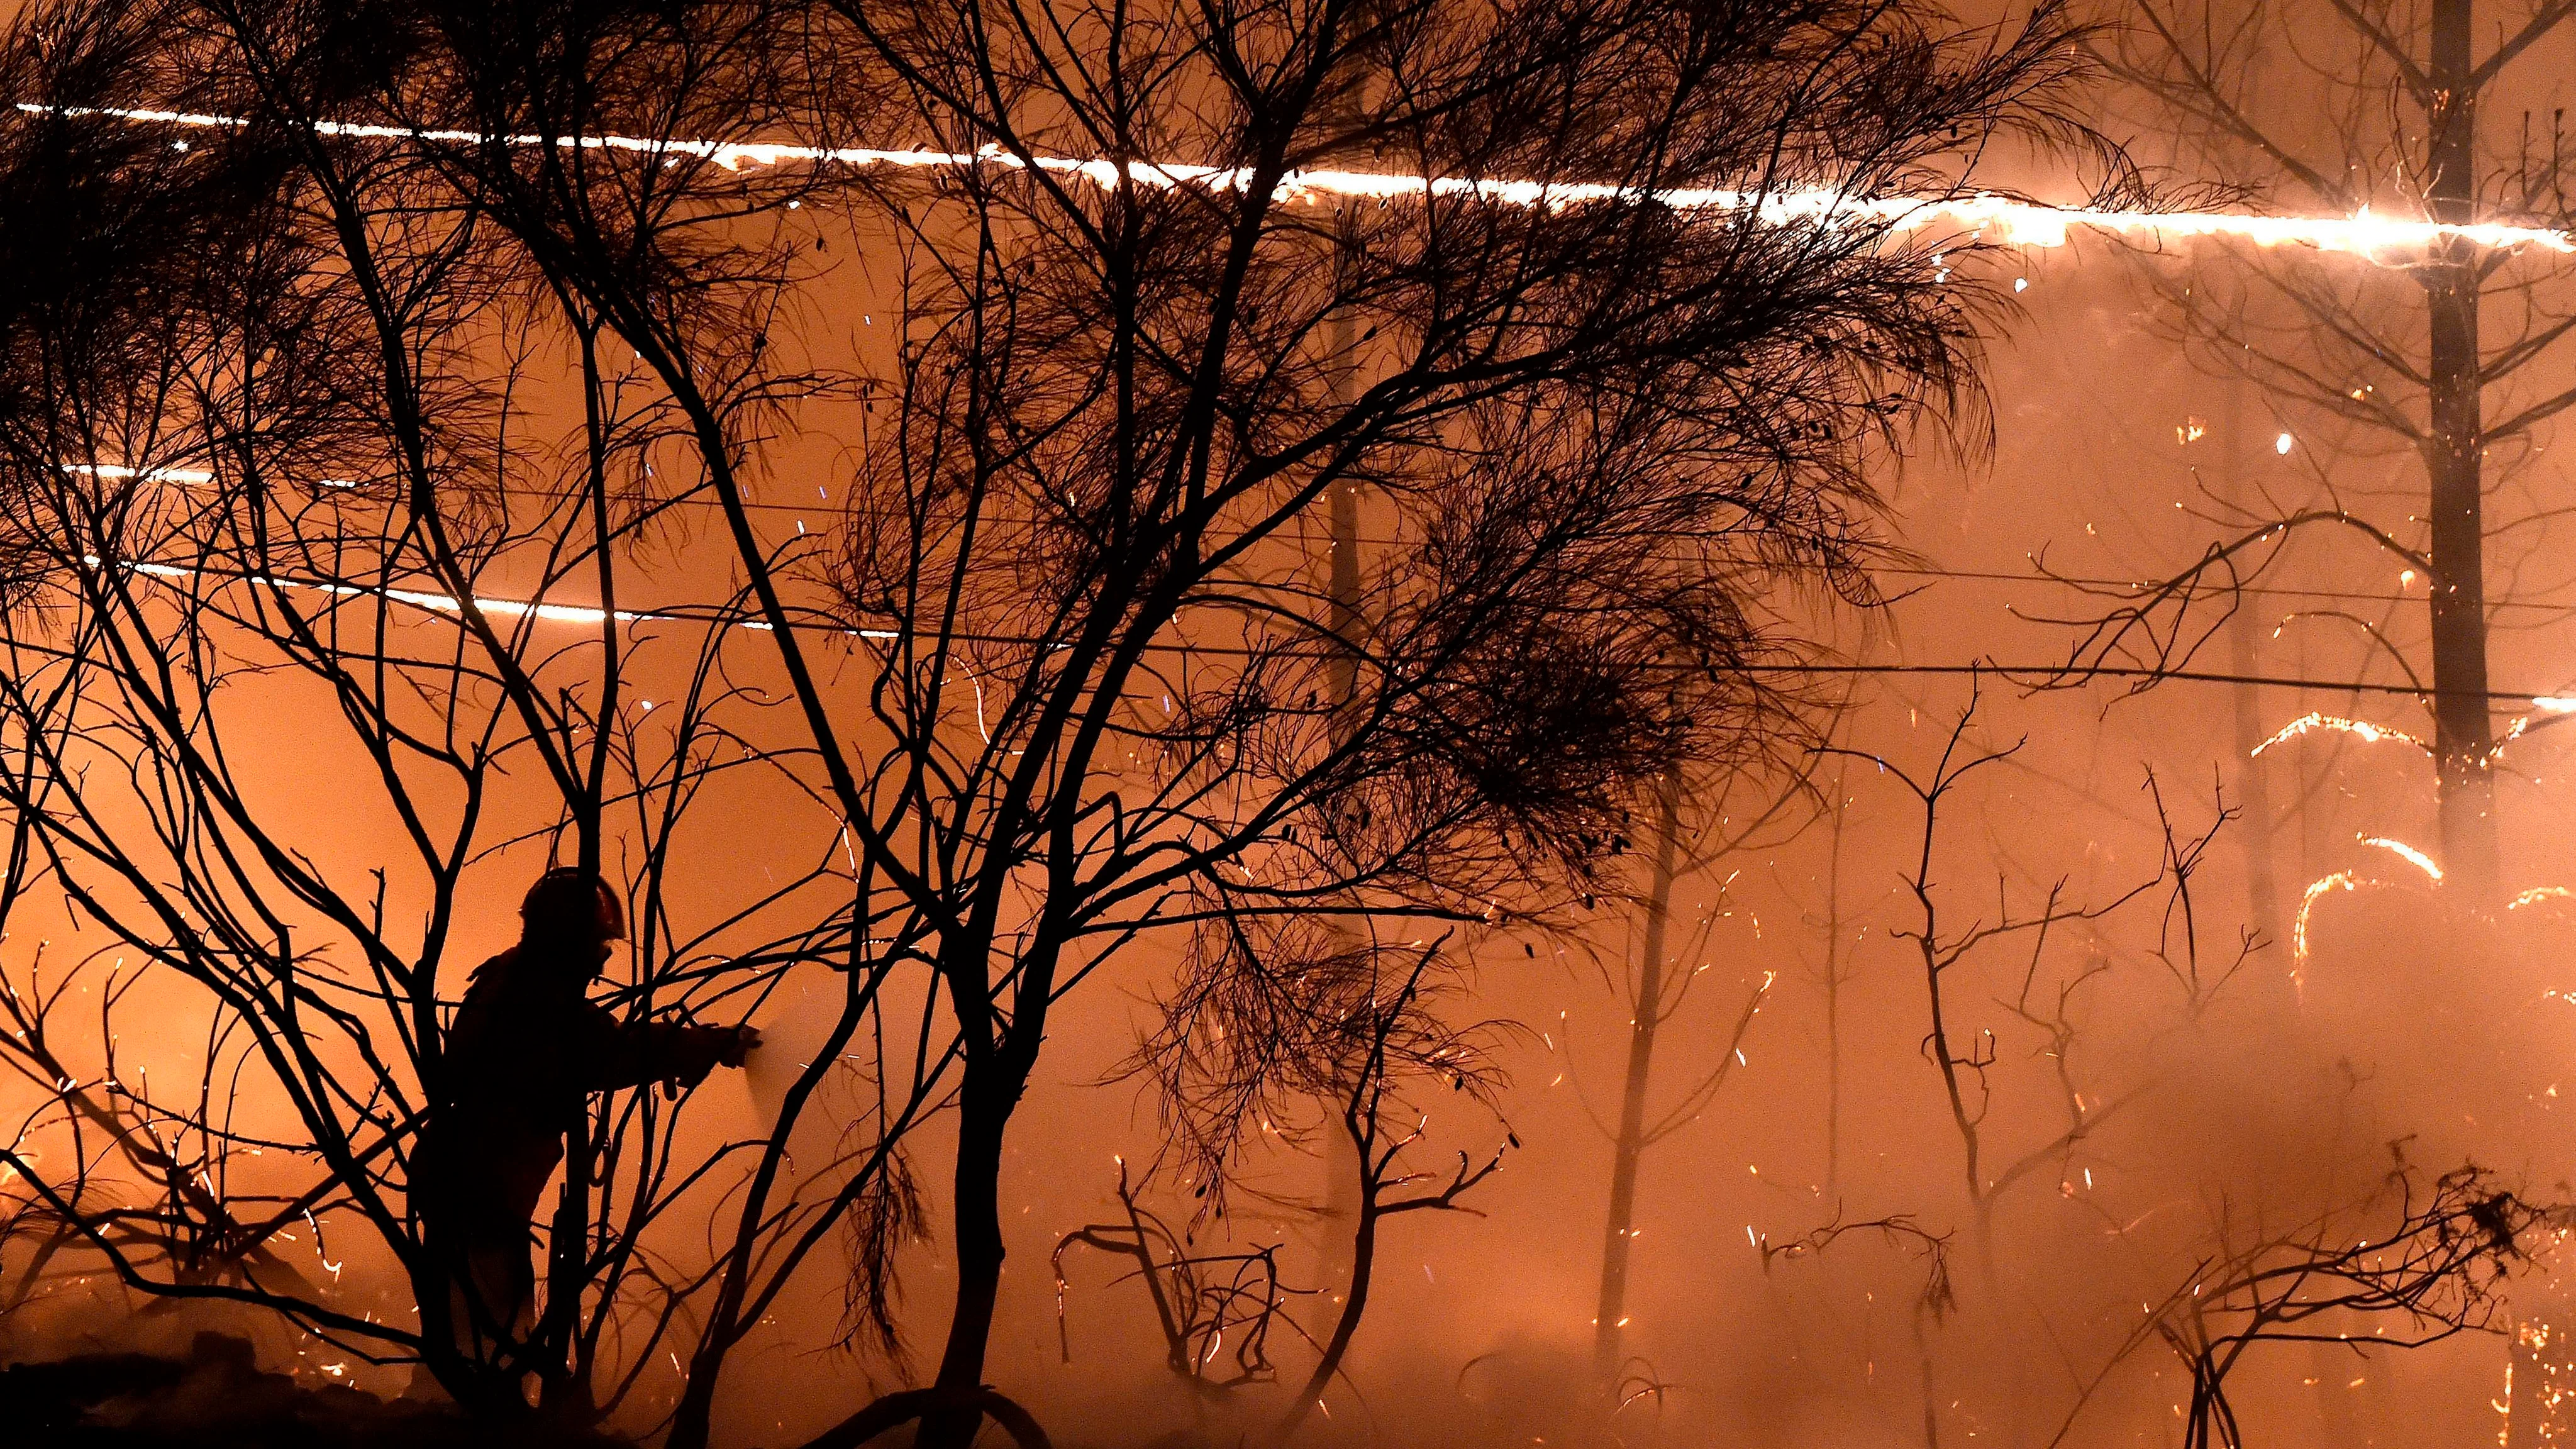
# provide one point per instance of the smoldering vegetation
(1409, 723)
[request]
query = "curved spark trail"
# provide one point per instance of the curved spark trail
(2409, 854)
(2545, 709)
(2004, 220)
(2341, 880)
(2362, 730)
(2346, 880)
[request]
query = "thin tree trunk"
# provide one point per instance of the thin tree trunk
(1931, 1384)
(1618, 1237)
(1345, 1327)
(1834, 996)
(1342, 1167)
(2463, 736)
(951, 1421)
(564, 1391)
(1343, 612)
(2244, 640)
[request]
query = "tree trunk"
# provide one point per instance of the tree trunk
(1346, 1326)
(1342, 1167)
(693, 1418)
(563, 1390)
(1630, 1144)
(983, 1113)
(1834, 995)
(2244, 639)
(2463, 737)
(1342, 614)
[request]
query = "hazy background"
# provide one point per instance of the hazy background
(2113, 449)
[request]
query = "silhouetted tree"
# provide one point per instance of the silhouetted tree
(2429, 1259)
(2047, 996)
(1593, 427)
(1654, 991)
(2345, 108)
(1061, 680)
(1203, 1299)
(294, 696)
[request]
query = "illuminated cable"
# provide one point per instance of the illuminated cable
(2010, 222)
(712, 614)
(2345, 880)
(2545, 709)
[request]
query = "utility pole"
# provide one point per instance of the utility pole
(2454, 448)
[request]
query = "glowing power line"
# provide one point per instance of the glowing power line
(2347, 880)
(2010, 222)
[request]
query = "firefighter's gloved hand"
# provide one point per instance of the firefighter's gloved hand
(732, 1052)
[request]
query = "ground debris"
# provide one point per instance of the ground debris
(214, 1395)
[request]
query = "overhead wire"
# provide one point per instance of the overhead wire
(1897, 570)
(2011, 221)
(571, 614)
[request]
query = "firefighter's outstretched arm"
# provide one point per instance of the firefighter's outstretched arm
(617, 1054)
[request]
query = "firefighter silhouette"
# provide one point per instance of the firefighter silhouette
(527, 1049)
